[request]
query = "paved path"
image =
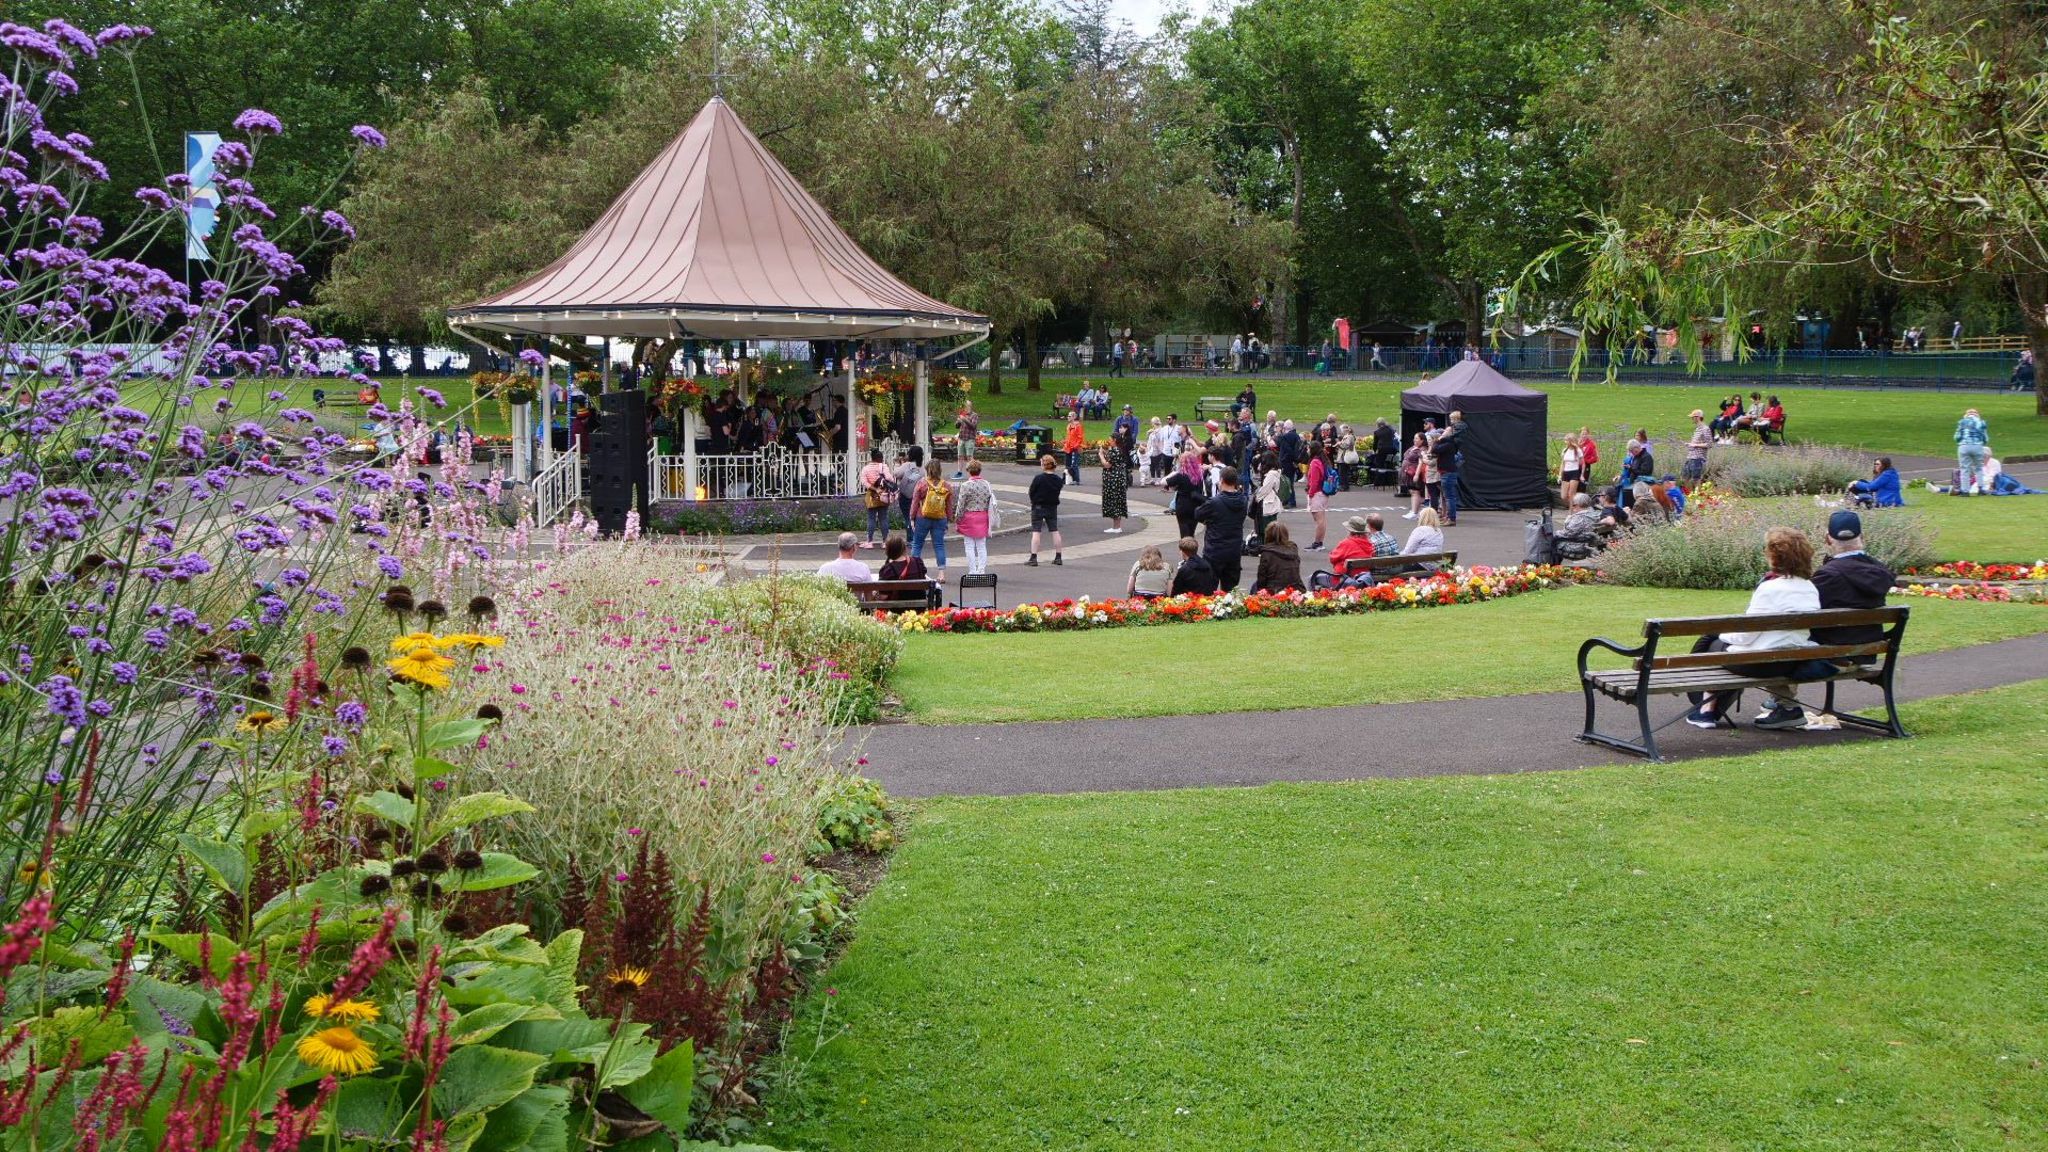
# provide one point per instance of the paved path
(1435, 738)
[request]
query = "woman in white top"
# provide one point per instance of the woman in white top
(1785, 588)
(1428, 535)
(1267, 502)
(1150, 577)
(1569, 470)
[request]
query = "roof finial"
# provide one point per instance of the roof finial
(717, 74)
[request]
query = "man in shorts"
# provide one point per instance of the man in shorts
(1045, 509)
(1696, 448)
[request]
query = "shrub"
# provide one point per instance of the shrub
(757, 517)
(1723, 547)
(855, 816)
(1787, 470)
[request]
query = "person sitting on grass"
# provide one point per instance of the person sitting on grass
(1882, 490)
(1279, 562)
(1787, 587)
(1997, 483)
(1579, 536)
(1195, 576)
(1150, 578)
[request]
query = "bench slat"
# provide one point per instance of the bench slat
(1824, 618)
(1776, 655)
(1376, 563)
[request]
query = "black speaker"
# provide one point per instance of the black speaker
(617, 455)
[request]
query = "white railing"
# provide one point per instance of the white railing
(559, 487)
(770, 474)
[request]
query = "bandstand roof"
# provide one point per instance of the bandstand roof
(716, 240)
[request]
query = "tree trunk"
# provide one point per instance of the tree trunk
(1032, 363)
(998, 336)
(384, 365)
(1474, 302)
(1098, 339)
(2032, 290)
(417, 354)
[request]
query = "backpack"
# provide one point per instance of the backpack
(1540, 538)
(936, 494)
(1329, 485)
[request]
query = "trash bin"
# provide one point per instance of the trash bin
(1031, 442)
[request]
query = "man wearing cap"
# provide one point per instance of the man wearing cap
(1127, 426)
(1850, 578)
(1695, 468)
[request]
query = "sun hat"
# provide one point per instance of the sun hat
(1357, 526)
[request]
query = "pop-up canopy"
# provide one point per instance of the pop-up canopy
(1506, 461)
(716, 240)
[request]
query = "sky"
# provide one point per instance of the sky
(1143, 15)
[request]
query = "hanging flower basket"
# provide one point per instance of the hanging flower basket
(519, 395)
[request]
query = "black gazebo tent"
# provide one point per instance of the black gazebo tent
(1506, 458)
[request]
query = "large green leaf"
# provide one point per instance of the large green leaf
(664, 1092)
(370, 1109)
(561, 1041)
(425, 768)
(480, 1077)
(185, 946)
(388, 806)
(564, 954)
(455, 733)
(474, 808)
(222, 862)
(629, 1059)
(536, 1120)
(483, 1023)
(500, 870)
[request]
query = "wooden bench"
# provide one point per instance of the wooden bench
(1764, 432)
(896, 595)
(1650, 673)
(1206, 406)
(1392, 565)
(1064, 403)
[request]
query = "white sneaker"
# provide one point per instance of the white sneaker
(1407, 515)
(1111, 531)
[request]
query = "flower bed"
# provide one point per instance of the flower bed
(1971, 570)
(1459, 586)
(757, 517)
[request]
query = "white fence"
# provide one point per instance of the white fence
(558, 488)
(770, 474)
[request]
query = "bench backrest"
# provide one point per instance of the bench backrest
(1891, 619)
(892, 595)
(1359, 564)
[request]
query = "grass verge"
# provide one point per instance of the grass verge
(1788, 950)
(2002, 529)
(1524, 644)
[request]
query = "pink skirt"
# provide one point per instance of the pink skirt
(1317, 502)
(974, 525)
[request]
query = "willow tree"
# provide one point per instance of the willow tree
(1935, 172)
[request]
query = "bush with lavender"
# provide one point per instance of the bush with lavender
(1722, 547)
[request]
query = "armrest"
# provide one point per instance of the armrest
(1586, 649)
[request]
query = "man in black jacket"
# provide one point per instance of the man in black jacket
(1850, 578)
(1194, 574)
(1223, 543)
(1449, 446)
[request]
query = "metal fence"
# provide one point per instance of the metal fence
(559, 487)
(770, 474)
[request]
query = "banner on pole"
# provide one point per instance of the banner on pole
(202, 197)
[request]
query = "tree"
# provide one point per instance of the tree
(1935, 172)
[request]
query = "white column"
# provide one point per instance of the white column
(547, 413)
(856, 430)
(522, 445)
(923, 432)
(689, 453)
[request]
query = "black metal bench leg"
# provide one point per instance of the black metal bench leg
(1589, 736)
(1649, 734)
(1891, 710)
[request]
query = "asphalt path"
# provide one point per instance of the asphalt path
(1487, 736)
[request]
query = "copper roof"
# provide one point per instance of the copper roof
(716, 239)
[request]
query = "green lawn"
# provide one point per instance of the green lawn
(2006, 529)
(1921, 423)
(1523, 644)
(1795, 950)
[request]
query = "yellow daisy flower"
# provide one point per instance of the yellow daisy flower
(320, 1006)
(626, 981)
(472, 640)
(337, 1050)
(423, 666)
(414, 641)
(261, 722)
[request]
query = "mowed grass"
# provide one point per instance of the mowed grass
(2004, 529)
(1899, 422)
(1505, 647)
(1798, 949)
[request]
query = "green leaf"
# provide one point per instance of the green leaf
(387, 805)
(95, 1035)
(462, 1132)
(335, 890)
(257, 825)
(480, 1077)
(489, 945)
(425, 768)
(558, 1040)
(536, 1120)
(487, 1021)
(369, 1109)
(221, 861)
(628, 1060)
(455, 733)
(474, 808)
(664, 1092)
(500, 870)
(564, 954)
(185, 946)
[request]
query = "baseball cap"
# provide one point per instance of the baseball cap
(1127, 407)
(1845, 526)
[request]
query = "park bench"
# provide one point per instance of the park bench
(1650, 673)
(1393, 565)
(1064, 403)
(895, 595)
(1764, 432)
(1207, 406)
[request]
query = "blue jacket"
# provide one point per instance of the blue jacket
(1883, 489)
(1972, 430)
